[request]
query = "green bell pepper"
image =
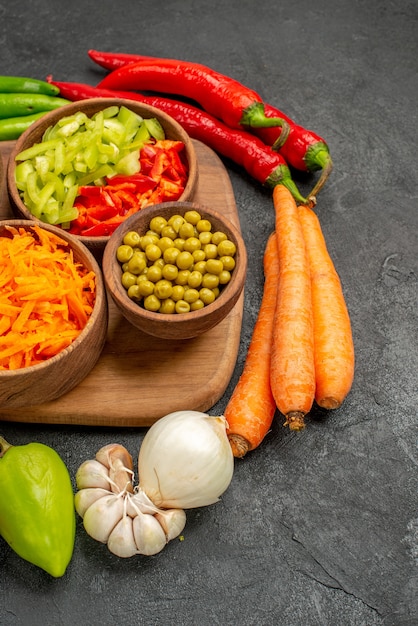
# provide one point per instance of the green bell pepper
(37, 514)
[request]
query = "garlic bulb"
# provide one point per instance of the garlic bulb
(115, 513)
(185, 460)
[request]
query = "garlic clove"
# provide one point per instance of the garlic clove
(149, 535)
(120, 465)
(121, 540)
(84, 498)
(92, 473)
(172, 522)
(140, 503)
(102, 516)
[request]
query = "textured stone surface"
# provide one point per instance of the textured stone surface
(318, 528)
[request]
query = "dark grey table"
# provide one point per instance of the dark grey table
(318, 528)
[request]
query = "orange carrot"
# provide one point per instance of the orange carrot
(333, 341)
(251, 408)
(292, 375)
(46, 297)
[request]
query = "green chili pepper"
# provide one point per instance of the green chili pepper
(16, 104)
(21, 84)
(37, 515)
(13, 127)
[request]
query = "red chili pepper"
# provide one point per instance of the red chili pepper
(113, 60)
(303, 149)
(263, 164)
(218, 94)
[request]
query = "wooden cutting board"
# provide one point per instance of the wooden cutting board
(139, 378)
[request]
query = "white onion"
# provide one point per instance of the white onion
(185, 460)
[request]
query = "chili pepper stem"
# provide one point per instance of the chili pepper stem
(281, 175)
(255, 117)
(4, 446)
(323, 178)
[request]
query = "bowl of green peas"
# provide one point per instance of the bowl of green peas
(175, 270)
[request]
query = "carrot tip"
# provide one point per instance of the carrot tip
(295, 420)
(239, 445)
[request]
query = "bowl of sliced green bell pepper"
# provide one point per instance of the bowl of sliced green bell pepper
(89, 165)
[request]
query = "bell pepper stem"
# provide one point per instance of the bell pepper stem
(4, 446)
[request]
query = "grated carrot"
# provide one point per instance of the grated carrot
(46, 297)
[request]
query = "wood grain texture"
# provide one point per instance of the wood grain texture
(139, 378)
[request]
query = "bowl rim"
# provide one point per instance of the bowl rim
(119, 293)
(73, 107)
(97, 307)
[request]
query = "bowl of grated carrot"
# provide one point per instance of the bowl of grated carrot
(53, 313)
(89, 165)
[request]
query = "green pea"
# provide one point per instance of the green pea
(203, 225)
(186, 230)
(176, 222)
(214, 266)
(168, 231)
(154, 273)
(170, 254)
(170, 271)
(165, 242)
(198, 255)
(157, 224)
(227, 248)
(124, 253)
(179, 243)
(218, 236)
(184, 261)
(205, 237)
(177, 293)
(183, 277)
(192, 244)
(153, 252)
(206, 295)
(132, 238)
(228, 262)
(128, 279)
(182, 306)
(195, 279)
(197, 305)
(210, 280)
(145, 288)
(168, 306)
(200, 267)
(211, 251)
(224, 277)
(163, 289)
(192, 216)
(136, 264)
(134, 293)
(152, 303)
(148, 240)
(191, 295)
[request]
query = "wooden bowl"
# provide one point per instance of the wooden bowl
(174, 325)
(56, 376)
(34, 134)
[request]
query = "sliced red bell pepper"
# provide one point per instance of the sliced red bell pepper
(162, 177)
